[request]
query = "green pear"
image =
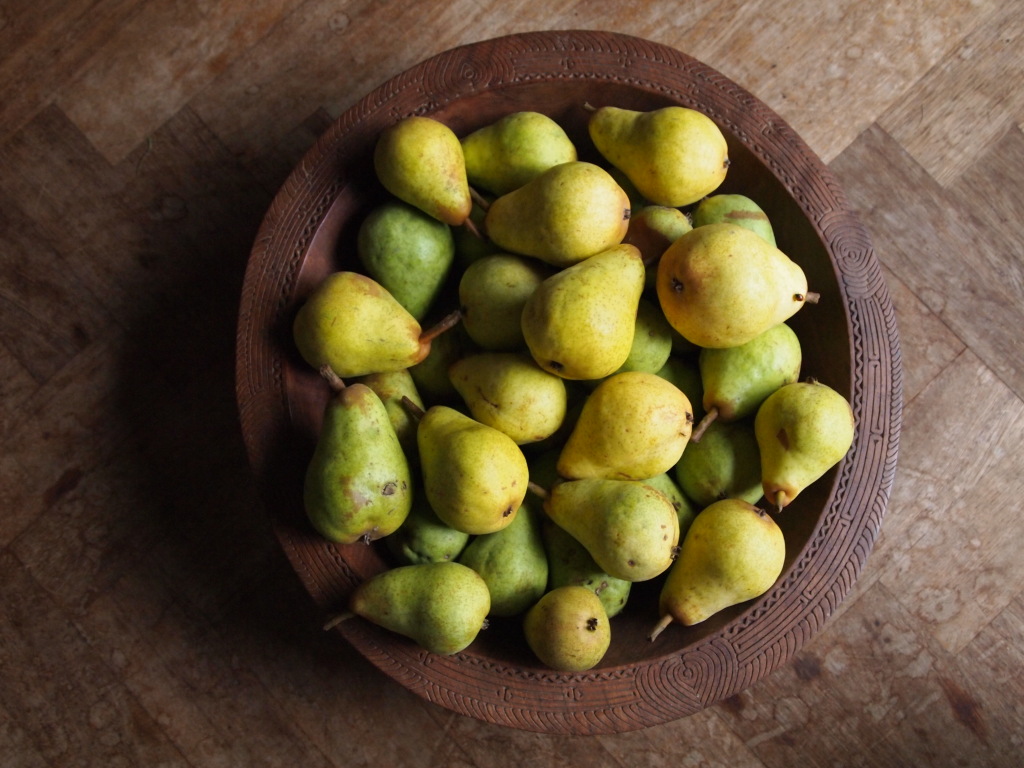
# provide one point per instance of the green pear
(579, 323)
(629, 528)
(721, 285)
(510, 392)
(737, 209)
(424, 537)
(736, 380)
(419, 160)
(632, 426)
(506, 154)
(407, 252)
(393, 388)
(492, 293)
(431, 373)
(684, 372)
(673, 155)
(512, 562)
(725, 464)
(474, 476)
(470, 244)
(803, 430)
(568, 629)
(562, 216)
(652, 340)
(440, 606)
(685, 509)
(357, 484)
(569, 564)
(733, 552)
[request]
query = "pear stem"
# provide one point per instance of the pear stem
(414, 410)
(473, 228)
(660, 626)
(445, 323)
(479, 199)
(332, 378)
(701, 428)
(812, 297)
(589, 107)
(335, 620)
(538, 490)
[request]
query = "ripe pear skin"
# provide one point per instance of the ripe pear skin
(633, 426)
(568, 629)
(562, 216)
(721, 285)
(474, 476)
(629, 528)
(354, 325)
(674, 156)
(492, 293)
(357, 484)
(441, 606)
(579, 323)
(732, 553)
(803, 430)
(419, 160)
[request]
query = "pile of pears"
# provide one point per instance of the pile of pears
(558, 370)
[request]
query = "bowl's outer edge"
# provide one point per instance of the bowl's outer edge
(727, 662)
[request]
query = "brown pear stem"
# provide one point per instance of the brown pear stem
(538, 490)
(702, 426)
(332, 378)
(473, 228)
(335, 620)
(447, 322)
(414, 410)
(811, 297)
(660, 626)
(589, 107)
(479, 199)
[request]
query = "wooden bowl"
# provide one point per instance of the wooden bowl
(849, 341)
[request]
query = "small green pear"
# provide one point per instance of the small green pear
(510, 392)
(492, 293)
(407, 252)
(424, 537)
(721, 285)
(393, 388)
(652, 340)
(474, 476)
(732, 553)
(419, 160)
(803, 430)
(579, 323)
(726, 463)
(673, 155)
(737, 209)
(569, 564)
(440, 606)
(632, 426)
(431, 373)
(506, 154)
(562, 216)
(629, 528)
(357, 484)
(568, 629)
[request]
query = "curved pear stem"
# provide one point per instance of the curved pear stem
(589, 107)
(479, 199)
(447, 322)
(702, 427)
(660, 626)
(538, 490)
(414, 410)
(335, 620)
(336, 382)
(811, 297)
(473, 228)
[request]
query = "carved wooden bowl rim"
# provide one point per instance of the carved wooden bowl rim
(675, 679)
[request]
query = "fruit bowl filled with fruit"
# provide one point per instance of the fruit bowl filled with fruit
(571, 383)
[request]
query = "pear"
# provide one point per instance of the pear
(408, 252)
(562, 216)
(732, 553)
(506, 154)
(492, 293)
(510, 392)
(725, 464)
(568, 629)
(721, 285)
(632, 426)
(652, 229)
(470, 245)
(419, 160)
(630, 529)
(569, 564)
(737, 209)
(357, 484)
(652, 340)
(431, 373)
(736, 380)
(673, 155)
(441, 606)
(684, 372)
(579, 323)
(803, 430)
(512, 562)
(685, 509)
(474, 476)
(424, 538)
(393, 388)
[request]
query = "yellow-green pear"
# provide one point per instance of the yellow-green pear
(441, 606)
(652, 339)
(737, 209)
(393, 387)
(721, 285)
(568, 629)
(562, 216)
(732, 553)
(569, 564)
(726, 463)
(673, 155)
(419, 160)
(685, 509)
(474, 476)
(424, 537)
(506, 154)
(579, 323)
(492, 293)
(803, 430)
(633, 426)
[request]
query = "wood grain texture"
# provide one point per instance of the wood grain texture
(148, 618)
